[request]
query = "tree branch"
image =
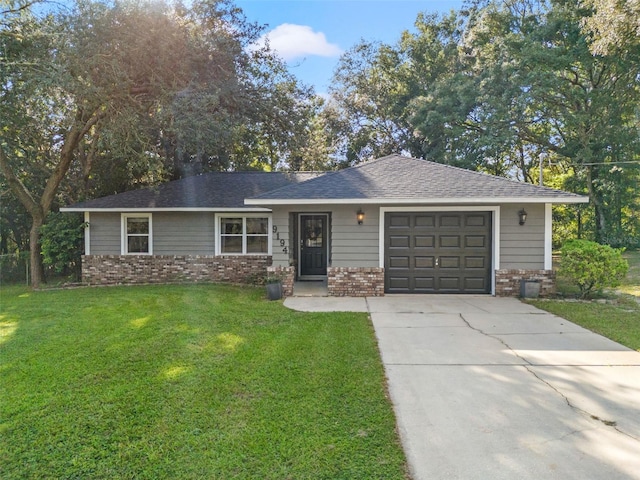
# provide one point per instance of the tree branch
(71, 142)
(17, 187)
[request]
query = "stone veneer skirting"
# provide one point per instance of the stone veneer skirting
(355, 282)
(508, 281)
(136, 269)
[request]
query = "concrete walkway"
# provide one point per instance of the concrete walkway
(491, 388)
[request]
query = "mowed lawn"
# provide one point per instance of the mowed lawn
(619, 321)
(207, 382)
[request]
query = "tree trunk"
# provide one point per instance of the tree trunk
(34, 249)
(598, 206)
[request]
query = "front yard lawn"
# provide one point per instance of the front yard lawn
(619, 321)
(189, 382)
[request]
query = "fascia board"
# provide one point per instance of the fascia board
(417, 201)
(166, 209)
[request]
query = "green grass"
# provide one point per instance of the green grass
(619, 321)
(631, 283)
(189, 382)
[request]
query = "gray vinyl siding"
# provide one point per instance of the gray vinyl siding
(184, 233)
(522, 246)
(174, 233)
(354, 245)
(284, 231)
(104, 233)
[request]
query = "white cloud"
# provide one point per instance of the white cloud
(293, 41)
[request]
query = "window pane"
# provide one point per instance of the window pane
(138, 244)
(139, 225)
(257, 244)
(313, 229)
(257, 226)
(231, 226)
(231, 244)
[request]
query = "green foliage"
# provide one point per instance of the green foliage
(61, 242)
(502, 85)
(189, 382)
(100, 97)
(592, 266)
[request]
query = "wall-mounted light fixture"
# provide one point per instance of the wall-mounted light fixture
(360, 216)
(522, 215)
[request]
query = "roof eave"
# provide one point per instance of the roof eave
(163, 209)
(418, 201)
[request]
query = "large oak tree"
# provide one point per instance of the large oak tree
(149, 89)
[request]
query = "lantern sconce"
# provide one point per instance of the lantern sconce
(522, 215)
(360, 216)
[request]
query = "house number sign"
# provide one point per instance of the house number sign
(280, 241)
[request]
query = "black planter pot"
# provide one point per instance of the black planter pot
(274, 291)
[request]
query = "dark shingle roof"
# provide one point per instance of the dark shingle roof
(210, 190)
(392, 179)
(396, 178)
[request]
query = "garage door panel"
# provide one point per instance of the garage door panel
(398, 284)
(450, 262)
(475, 262)
(424, 262)
(449, 220)
(475, 220)
(399, 262)
(449, 241)
(399, 241)
(475, 284)
(424, 241)
(422, 220)
(424, 284)
(446, 252)
(475, 241)
(400, 221)
(450, 283)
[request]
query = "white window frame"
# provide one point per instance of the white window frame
(124, 236)
(244, 216)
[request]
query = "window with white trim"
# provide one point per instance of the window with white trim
(243, 235)
(136, 234)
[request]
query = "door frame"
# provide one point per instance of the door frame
(495, 230)
(299, 241)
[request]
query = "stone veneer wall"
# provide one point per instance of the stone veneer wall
(508, 281)
(287, 275)
(355, 282)
(136, 269)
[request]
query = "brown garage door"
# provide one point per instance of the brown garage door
(438, 252)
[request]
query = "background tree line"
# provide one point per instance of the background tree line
(102, 97)
(506, 88)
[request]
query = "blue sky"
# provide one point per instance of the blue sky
(310, 35)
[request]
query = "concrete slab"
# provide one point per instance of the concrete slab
(492, 388)
(457, 345)
(417, 320)
(500, 422)
(523, 323)
(585, 348)
(326, 304)
(609, 393)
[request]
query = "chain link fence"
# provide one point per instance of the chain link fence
(14, 268)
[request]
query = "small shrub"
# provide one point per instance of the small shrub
(592, 266)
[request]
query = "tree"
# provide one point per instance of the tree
(530, 82)
(614, 26)
(148, 88)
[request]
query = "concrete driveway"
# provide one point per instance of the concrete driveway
(491, 388)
